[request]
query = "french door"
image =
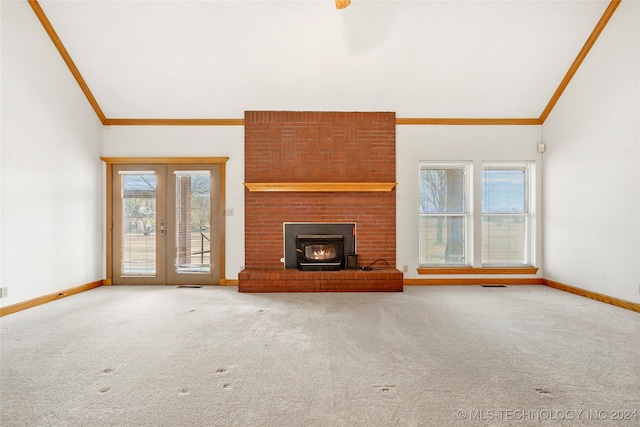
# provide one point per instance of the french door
(166, 224)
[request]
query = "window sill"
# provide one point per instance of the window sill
(471, 270)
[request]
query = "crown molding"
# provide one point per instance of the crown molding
(470, 121)
(46, 24)
(581, 56)
(174, 122)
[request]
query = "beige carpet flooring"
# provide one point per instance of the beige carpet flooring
(431, 356)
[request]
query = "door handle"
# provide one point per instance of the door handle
(162, 227)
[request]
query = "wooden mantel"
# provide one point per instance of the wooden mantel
(326, 187)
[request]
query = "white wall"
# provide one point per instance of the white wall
(51, 170)
(51, 205)
(449, 143)
(592, 180)
(196, 141)
(1, 282)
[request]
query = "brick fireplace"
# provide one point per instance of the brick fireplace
(319, 167)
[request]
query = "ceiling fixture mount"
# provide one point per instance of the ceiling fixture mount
(341, 4)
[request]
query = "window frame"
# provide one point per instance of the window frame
(527, 215)
(466, 214)
(473, 233)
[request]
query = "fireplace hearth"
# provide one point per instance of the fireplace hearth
(320, 252)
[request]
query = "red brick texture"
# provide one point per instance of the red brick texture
(297, 147)
(266, 212)
(319, 147)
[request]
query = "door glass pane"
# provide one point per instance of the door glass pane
(193, 222)
(139, 223)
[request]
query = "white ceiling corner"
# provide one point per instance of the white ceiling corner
(216, 59)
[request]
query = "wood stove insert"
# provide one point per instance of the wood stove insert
(291, 231)
(320, 252)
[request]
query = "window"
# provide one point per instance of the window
(476, 216)
(444, 213)
(505, 214)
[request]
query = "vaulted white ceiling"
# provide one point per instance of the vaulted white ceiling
(216, 59)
